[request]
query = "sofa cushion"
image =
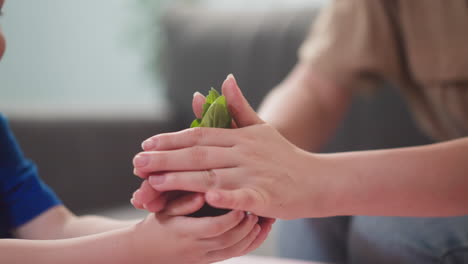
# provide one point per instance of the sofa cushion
(204, 46)
(88, 162)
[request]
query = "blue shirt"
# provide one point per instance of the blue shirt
(23, 195)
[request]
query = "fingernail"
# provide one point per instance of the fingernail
(231, 76)
(136, 193)
(138, 173)
(197, 93)
(156, 180)
(257, 228)
(229, 86)
(148, 144)
(141, 161)
(132, 200)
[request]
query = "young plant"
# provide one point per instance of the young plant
(215, 114)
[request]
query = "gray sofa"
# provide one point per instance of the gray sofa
(88, 161)
(260, 48)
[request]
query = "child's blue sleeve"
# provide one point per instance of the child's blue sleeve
(23, 195)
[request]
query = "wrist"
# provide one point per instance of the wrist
(309, 194)
(326, 189)
(109, 247)
(131, 248)
(351, 183)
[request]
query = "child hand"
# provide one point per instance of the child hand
(167, 239)
(173, 203)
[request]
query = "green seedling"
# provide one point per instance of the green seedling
(215, 114)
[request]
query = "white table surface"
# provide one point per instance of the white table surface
(263, 260)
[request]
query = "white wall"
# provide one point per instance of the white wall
(79, 56)
(87, 57)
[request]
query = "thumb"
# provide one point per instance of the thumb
(185, 205)
(240, 109)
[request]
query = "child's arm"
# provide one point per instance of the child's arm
(110, 247)
(59, 223)
(157, 239)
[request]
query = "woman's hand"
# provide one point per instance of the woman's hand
(252, 168)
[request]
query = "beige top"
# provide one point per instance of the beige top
(420, 45)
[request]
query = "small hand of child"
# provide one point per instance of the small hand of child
(186, 204)
(161, 238)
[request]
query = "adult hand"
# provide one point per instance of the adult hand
(178, 203)
(252, 168)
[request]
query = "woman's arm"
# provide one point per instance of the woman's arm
(59, 223)
(292, 183)
(429, 180)
(306, 107)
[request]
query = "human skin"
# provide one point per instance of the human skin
(157, 239)
(59, 236)
(320, 104)
(255, 168)
(146, 197)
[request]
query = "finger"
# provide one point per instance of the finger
(157, 204)
(207, 227)
(136, 204)
(185, 205)
(238, 199)
(265, 228)
(194, 158)
(202, 136)
(237, 249)
(174, 195)
(234, 235)
(238, 106)
(140, 174)
(146, 193)
(197, 104)
(195, 181)
(233, 124)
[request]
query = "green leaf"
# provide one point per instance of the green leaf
(195, 123)
(210, 98)
(217, 115)
(212, 95)
(205, 108)
(215, 112)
